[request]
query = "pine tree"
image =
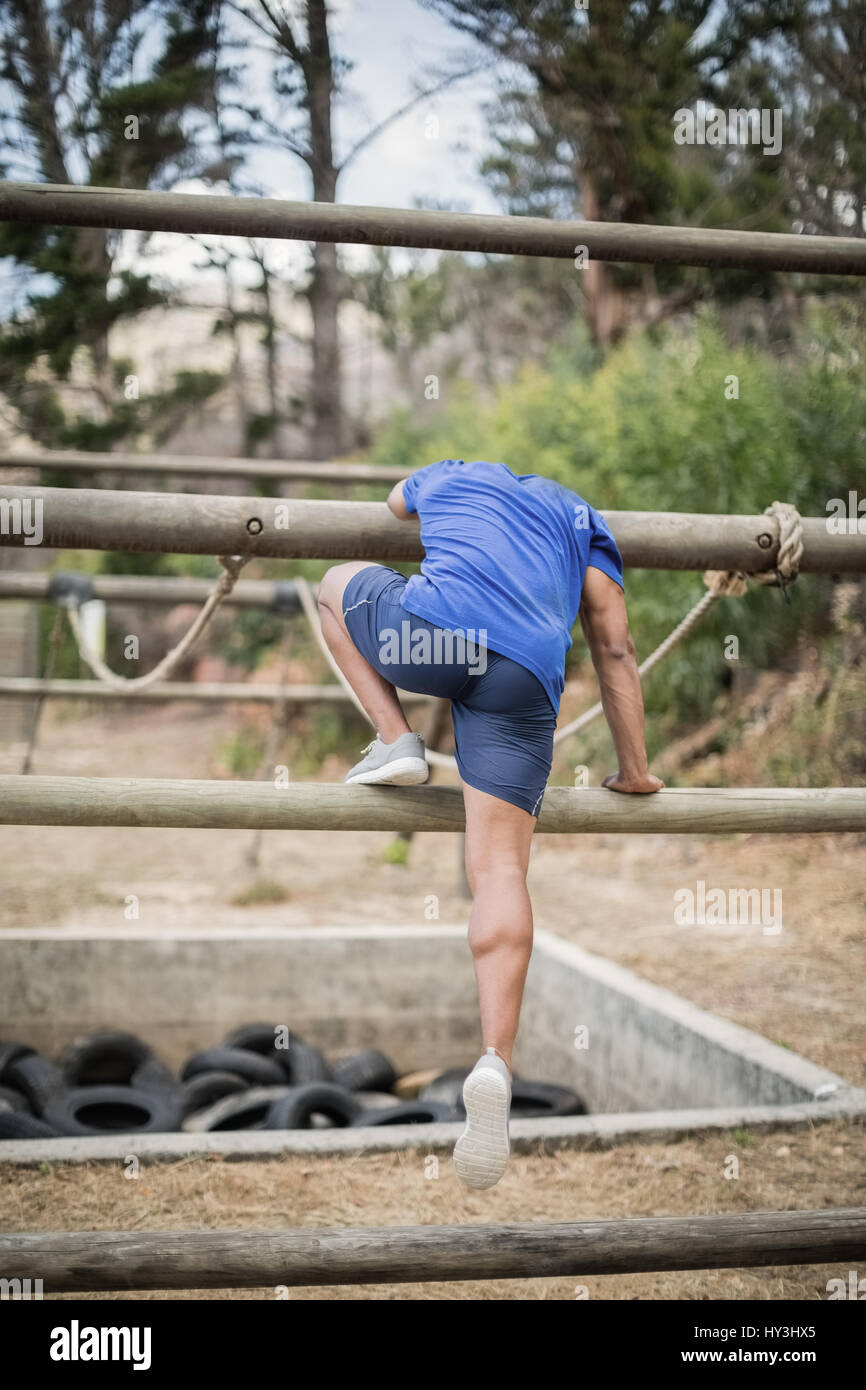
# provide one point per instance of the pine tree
(584, 121)
(105, 93)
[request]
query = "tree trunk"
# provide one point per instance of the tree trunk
(324, 292)
(41, 115)
(605, 302)
(238, 373)
(269, 342)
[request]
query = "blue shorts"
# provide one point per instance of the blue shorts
(503, 719)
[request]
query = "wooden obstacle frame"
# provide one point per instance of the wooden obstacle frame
(276, 595)
(336, 473)
(235, 805)
(290, 528)
(220, 215)
(112, 1261)
(202, 692)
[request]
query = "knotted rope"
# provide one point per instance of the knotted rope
(721, 584)
(232, 566)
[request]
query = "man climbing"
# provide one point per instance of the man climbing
(510, 562)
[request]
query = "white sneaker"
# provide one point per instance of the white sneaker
(398, 764)
(481, 1153)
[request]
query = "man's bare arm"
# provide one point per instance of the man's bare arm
(604, 621)
(396, 503)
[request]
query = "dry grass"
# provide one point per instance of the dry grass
(806, 1169)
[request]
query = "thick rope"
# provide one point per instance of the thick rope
(680, 632)
(721, 584)
(309, 606)
(308, 603)
(787, 565)
(790, 544)
(232, 566)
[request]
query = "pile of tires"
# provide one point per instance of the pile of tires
(105, 1083)
(260, 1076)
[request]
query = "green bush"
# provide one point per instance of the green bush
(650, 429)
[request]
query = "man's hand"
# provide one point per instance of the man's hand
(641, 786)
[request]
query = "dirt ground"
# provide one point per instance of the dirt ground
(614, 895)
(805, 1169)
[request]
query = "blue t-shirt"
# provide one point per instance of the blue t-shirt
(506, 554)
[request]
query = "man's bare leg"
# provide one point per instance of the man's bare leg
(377, 695)
(498, 838)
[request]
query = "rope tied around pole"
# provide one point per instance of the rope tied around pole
(721, 584)
(232, 566)
(733, 583)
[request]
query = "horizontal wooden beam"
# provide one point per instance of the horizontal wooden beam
(111, 1261)
(230, 805)
(206, 692)
(286, 470)
(192, 524)
(218, 215)
(278, 595)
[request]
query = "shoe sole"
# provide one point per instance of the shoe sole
(402, 772)
(481, 1153)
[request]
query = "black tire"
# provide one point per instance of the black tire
(154, 1076)
(375, 1100)
(247, 1110)
(113, 1110)
(305, 1065)
(207, 1087)
(14, 1100)
(533, 1100)
(258, 1071)
(408, 1112)
(296, 1110)
(9, 1051)
(447, 1088)
(104, 1059)
(15, 1125)
(260, 1038)
(530, 1100)
(37, 1079)
(370, 1070)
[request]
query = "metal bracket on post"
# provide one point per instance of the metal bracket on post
(286, 599)
(70, 589)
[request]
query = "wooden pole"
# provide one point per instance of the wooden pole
(189, 524)
(207, 692)
(110, 1261)
(218, 215)
(278, 595)
(230, 805)
(286, 470)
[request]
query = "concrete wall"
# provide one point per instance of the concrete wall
(648, 1048)
(410, 992)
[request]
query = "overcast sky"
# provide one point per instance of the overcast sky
(395, 47)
